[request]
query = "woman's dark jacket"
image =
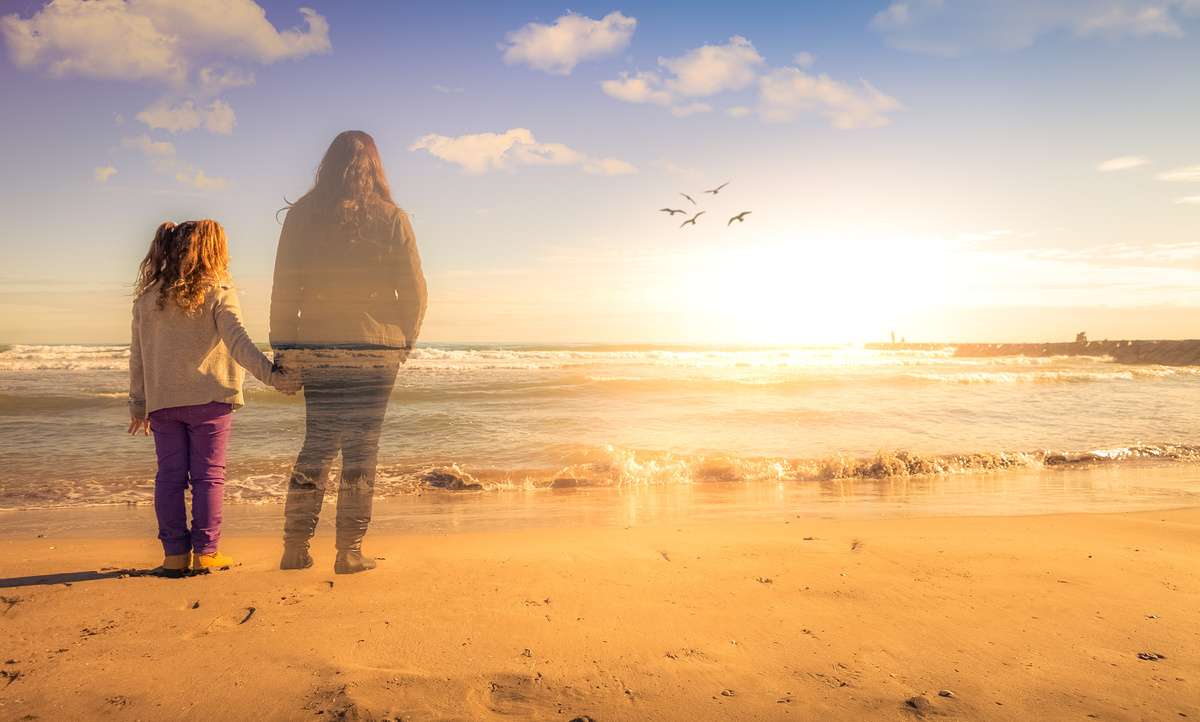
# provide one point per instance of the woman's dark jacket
(332, 291)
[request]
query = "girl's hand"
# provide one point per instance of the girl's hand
(136, 424)
(288, 382)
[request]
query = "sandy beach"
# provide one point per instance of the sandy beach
(1029, 617)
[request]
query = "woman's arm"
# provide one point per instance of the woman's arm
(411, 292)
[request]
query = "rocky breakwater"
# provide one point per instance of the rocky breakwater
(1162, 353)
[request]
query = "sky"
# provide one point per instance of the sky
(947, 170)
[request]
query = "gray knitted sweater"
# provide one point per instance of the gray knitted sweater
(181, 360)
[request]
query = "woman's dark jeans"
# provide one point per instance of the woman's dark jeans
(346, 395)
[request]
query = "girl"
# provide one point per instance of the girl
(185, 382)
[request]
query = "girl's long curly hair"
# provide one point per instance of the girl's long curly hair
(184, 261)
(350, 189)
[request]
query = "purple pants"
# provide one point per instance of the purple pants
(190, 442)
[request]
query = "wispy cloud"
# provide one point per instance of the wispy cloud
(1190, 174)
(1154, 253)
(1122, 163)
(444, 89)
(101, 175)
(572, 39)
(481, 152)
(784, 93)
(943, 27)
(164, 159)
(217, 117)
(1189, 199)
(672, 169)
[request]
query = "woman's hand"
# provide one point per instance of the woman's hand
(136, 424)
(288, 382)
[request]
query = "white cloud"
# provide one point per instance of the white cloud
(163, 159)
(785, 93)
(1189, 199)
(101, 174)
(641, 87)
(1122, 163)
(444, 89)
(193, 50)
(481, 152)
(217, 117)
(117, 119)
(790, 93)
(700, 72)
(804, 59)
(177, 44)
(1190, 174)
(712, 69)
(958, 27)
(572, 39)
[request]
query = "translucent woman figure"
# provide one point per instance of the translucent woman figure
(346, 308)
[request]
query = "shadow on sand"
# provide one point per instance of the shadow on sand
(40, 580)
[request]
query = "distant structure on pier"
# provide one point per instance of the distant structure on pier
(1081, 337)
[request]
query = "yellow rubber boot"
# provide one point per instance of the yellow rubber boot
(176, 565)
(204, 563)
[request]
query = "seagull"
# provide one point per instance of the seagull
(692, 220)
(714, 190)
(672, 211)
(685, 195)
(741, 218)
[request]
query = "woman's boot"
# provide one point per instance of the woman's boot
(300, 515)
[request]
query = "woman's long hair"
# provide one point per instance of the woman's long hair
(185, 261)
(350, 188)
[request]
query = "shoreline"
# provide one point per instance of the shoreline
(1037, 617)
(1015, 492)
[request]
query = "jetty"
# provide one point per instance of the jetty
(1161, 353)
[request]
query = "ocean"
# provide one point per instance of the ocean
(812, 429)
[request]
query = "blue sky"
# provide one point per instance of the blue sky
(989, 170)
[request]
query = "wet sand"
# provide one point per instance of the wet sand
(1013, 618)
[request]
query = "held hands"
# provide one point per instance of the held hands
(136, 424)
(287, 382)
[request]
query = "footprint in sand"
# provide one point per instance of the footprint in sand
(228, 619)
(306, 593)
(517, 694)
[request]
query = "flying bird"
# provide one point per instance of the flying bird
(692, 220)
(714, 190)
(741, 218)
(672, 211)
(685, 195)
